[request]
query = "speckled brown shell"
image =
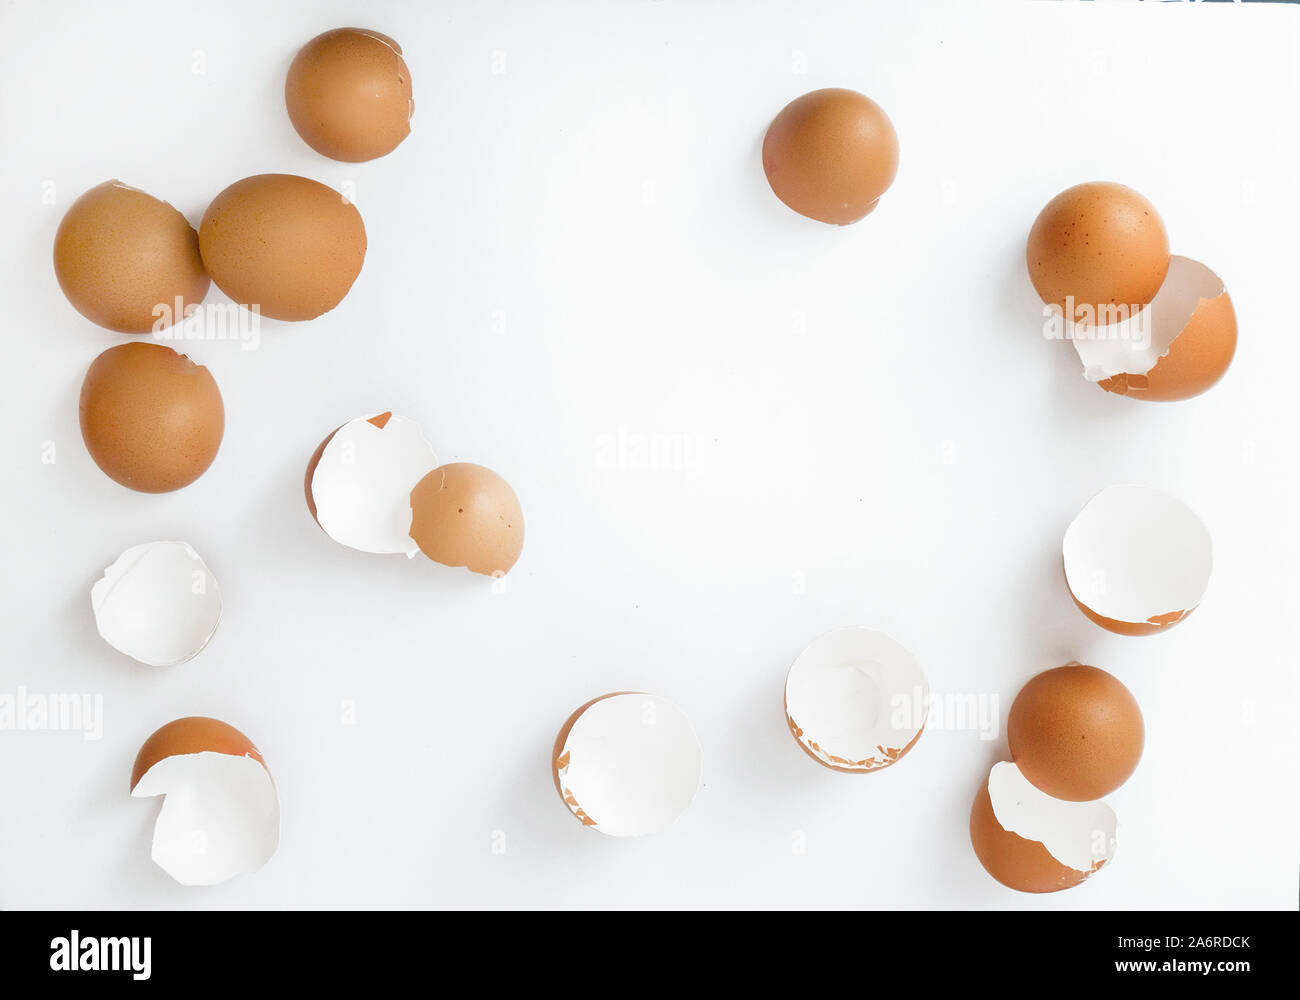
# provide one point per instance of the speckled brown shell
(123, 258)
(465, 515)
(151, 418)
(348, 92)
(830, 155)
(288, 245)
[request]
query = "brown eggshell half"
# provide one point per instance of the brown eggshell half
(466, 515)
(830, 155)
(379, 420)
(1098, 244)
(1197, 359)
(151, 418)
(123, 258)
(559, 760)
(348, 93)
(1075, 732)
(194, 734)
(287, 245)
(1020, 864)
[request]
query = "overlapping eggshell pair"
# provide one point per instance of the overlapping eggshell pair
(1145, 324)
(221, 813)
(375, 485)
(1038, 824)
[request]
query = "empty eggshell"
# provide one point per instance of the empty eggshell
(221, 814)
(359, 482)
(465, 515)
(1097, 245)
(1136, 560)
(1075, 732)
(128, 261)
(627, 764)
(349, 94)
(157, 603)
(288, 246)
(856, 701)
(1031, 842)
(151, 418)
(830, 155)
(1177, 347)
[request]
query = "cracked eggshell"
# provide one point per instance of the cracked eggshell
(1136, 560)
(627, 764)
(1177, 347)
(286, 245)
(1031, 842)
(348, 93)
(856, 701)
(830, 155)
(220, 816)
(151, 418)
(1095, 245)
(465, 515)
(1075, 732)
(358, 482)
(125, 260)
(158, 603)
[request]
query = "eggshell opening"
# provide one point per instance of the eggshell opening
(627, 764)
(1177, 347)
(359, 484)
(220, 816)
(158, 603)
(856, 701)
(1136, 560)
(1029, 841)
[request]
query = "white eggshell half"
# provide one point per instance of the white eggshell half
(158, 603)
(856, 700)
(220, 816)
(631, 764)
(1134, 554)
(1077, 834)
(362, 484)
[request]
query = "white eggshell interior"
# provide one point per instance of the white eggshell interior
(158, 603)
(855, 694)
(1133, 554)
(1135, 344)
(1077, 834)
(362, 484)
(633, 764)
(220, 816)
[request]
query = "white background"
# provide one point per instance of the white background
(576, 246)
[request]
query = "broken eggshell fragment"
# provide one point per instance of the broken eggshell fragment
(358, 483)
(465, 515)
(1177, 347)
(221, 815)
(856, 701)
(1136, 560)
(158, 603)
(627, 764)
(1031, 842)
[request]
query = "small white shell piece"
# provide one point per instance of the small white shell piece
(1136, 555)
(630, 765)
(1080, 835)
(220, 816)
(158, 603)
(362, 483)
(856, 700)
